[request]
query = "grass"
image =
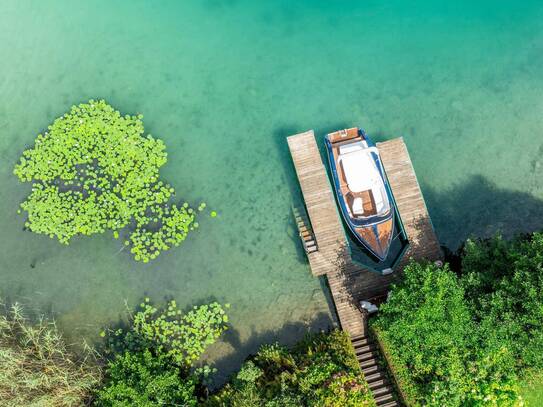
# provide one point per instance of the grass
(532, 390)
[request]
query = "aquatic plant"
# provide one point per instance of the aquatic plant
(36, 367)
(94, 170)
(152, 358)
(183, 337)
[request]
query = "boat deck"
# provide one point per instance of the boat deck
(350, 282)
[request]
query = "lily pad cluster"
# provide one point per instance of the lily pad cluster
(182, 336)
(94, 170)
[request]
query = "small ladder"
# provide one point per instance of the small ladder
(304, 230)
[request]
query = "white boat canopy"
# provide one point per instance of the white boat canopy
(362, 174)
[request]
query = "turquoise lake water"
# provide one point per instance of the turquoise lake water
(223, 82)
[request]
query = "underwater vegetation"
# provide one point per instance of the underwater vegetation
(94, 170)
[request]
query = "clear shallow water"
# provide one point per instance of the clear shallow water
(222, 83)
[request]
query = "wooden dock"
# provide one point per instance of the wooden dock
(348, 281)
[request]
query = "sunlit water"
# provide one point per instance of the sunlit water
(222, 83)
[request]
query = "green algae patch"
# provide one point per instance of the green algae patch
(94, 170)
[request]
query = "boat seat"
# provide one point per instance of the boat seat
(378, 199)
(358, 206)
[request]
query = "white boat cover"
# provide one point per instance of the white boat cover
(360, 171)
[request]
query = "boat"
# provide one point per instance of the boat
(362, 190)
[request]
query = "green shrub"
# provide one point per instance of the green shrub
(37, 369)
(429, 330)
(321, 370)
(93, 170)
(249, 373)
(465, 340)
(401, 375)
(504, 287)
(341, 390)
(141, 379)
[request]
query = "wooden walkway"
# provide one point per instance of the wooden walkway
(349, 282)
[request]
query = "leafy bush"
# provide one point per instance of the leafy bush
(153, 358)
(142, 379)
(405, 384)
(37, 369)
(92, 171)
(322, 371)
(504, 287)
(431, 333)
(249, 373)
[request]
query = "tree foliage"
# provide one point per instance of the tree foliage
(37, 369)
(466, 339)
(430, 332)
(94, 170)
(504, 287)
(320, 371)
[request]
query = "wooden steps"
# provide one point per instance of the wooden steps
(372, 366)
(304, 230)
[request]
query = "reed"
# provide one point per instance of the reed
(36, 366)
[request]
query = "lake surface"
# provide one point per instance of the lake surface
(223, 82)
